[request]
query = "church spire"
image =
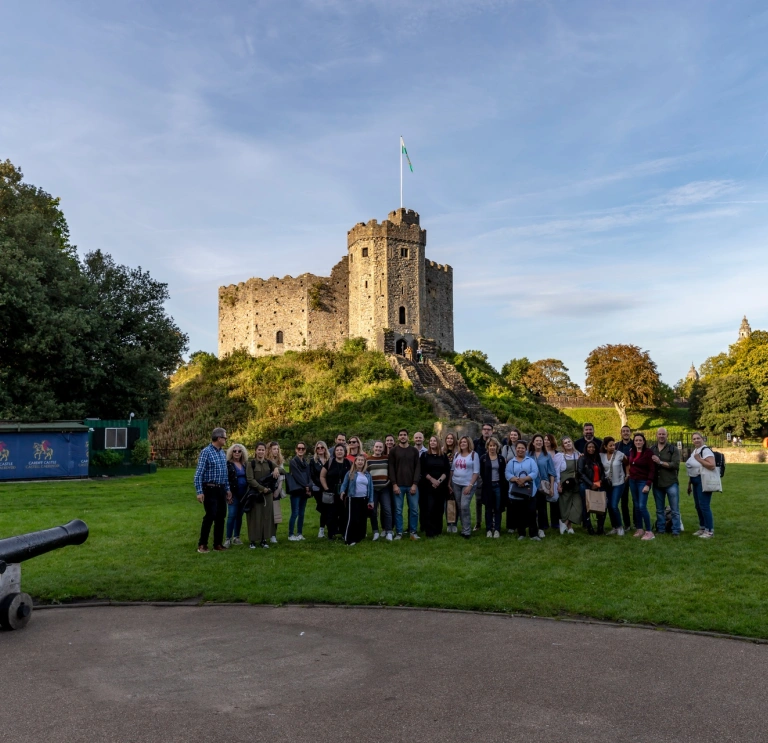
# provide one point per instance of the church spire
(744, 331)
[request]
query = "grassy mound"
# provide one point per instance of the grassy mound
(300, 395)
(513, 405)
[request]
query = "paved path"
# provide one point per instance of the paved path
(256, 673)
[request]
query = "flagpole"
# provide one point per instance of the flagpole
(401, 171)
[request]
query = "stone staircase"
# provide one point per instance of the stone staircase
(439, 382)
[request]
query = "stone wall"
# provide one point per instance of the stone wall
(439, 305)
(328, 309)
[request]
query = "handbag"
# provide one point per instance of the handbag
(596, 501)
(327, 498)
(450, 511)
(277, 513)
(250, 499)
(546, 487)
(710, 480)
(518, 492)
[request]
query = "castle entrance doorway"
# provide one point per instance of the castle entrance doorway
(400, 347)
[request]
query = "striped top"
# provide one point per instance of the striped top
(378, 468)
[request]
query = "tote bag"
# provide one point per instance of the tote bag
(596, 501)
(710, 480)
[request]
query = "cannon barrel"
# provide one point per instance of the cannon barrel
(26, 546)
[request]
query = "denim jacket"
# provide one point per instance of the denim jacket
(350, 484)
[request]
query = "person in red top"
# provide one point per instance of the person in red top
(642, 470)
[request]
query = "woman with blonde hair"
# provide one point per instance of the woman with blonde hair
(357, 491)
(570, 494)
(237, 459)
(316, 464)
(449, 449)
(275, 456)
(494, 487)
(465, 469)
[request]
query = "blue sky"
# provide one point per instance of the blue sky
(595, 172)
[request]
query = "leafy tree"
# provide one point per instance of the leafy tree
(75, 339)
(730, 404)
(549, 377)
(623, 375)
(137, 345)
(44, 369)
(748, 359)
(514, 370)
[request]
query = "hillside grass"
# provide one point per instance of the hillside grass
(143, 541)
(299, 395)
(608, 423)
(512, 405)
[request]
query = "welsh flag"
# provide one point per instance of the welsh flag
(405, 152)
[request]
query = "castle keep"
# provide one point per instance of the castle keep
(383, 290)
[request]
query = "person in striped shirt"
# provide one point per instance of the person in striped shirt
(378, 468)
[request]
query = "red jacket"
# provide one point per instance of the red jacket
(642, 466)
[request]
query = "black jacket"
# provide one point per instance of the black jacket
(232, 476)
(581, 444)
(298, 478)
(486, 472)
(586, 474)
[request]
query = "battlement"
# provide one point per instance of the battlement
(440, 266)
(402, 224)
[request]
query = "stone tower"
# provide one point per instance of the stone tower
(387, 282)
(692, 373)
(744, 331)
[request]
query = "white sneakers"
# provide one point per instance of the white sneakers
(541, 534)
(620, 532)
(563, 527)
(489, 534)
(294, 538)
(389, 536)
(227, 543)
(496, 535)
(707, 535)
(237, 540)
(375, 536)
(321, 533)
(273, 540)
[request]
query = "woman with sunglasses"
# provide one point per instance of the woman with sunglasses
(316, 464)
(299, 485)
(237, 458)
(354, 448)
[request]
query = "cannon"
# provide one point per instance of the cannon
(15, 606)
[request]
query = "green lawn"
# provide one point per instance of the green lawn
(144, 534)
(607, 422)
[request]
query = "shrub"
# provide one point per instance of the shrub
(140, 452)
(107, 458)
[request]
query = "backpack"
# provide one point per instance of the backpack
(719, 462)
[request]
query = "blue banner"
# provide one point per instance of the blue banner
(33, 455)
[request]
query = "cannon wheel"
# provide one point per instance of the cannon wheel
(15, 611)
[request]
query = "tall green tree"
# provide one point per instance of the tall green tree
(729, 403)
(549, 377)
(76, 340)
(515, 369)
(625, 376)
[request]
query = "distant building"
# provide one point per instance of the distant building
(744, 331)
(383, 290)
(692, 373)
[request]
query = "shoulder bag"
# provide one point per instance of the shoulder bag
(519, 492)
(710, 479)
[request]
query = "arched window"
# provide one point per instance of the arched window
(279, 337)
(402, 315)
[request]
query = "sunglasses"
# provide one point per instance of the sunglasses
(300, 448)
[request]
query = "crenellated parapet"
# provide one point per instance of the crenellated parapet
(402, 225)
(439, 266)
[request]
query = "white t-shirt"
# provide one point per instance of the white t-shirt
(464, 467)
(558, 460)
(693, 468)
(614, 468)
(361, 485)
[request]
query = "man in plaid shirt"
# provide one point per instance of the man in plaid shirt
(212, 488)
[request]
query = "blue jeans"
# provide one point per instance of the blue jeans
(703, 503)
(642, 515)
(413, 509)
(672, 493)
(613, 506)
(493, 511)
(298, 505)
(234, 518)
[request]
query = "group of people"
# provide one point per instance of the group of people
(540, 485)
